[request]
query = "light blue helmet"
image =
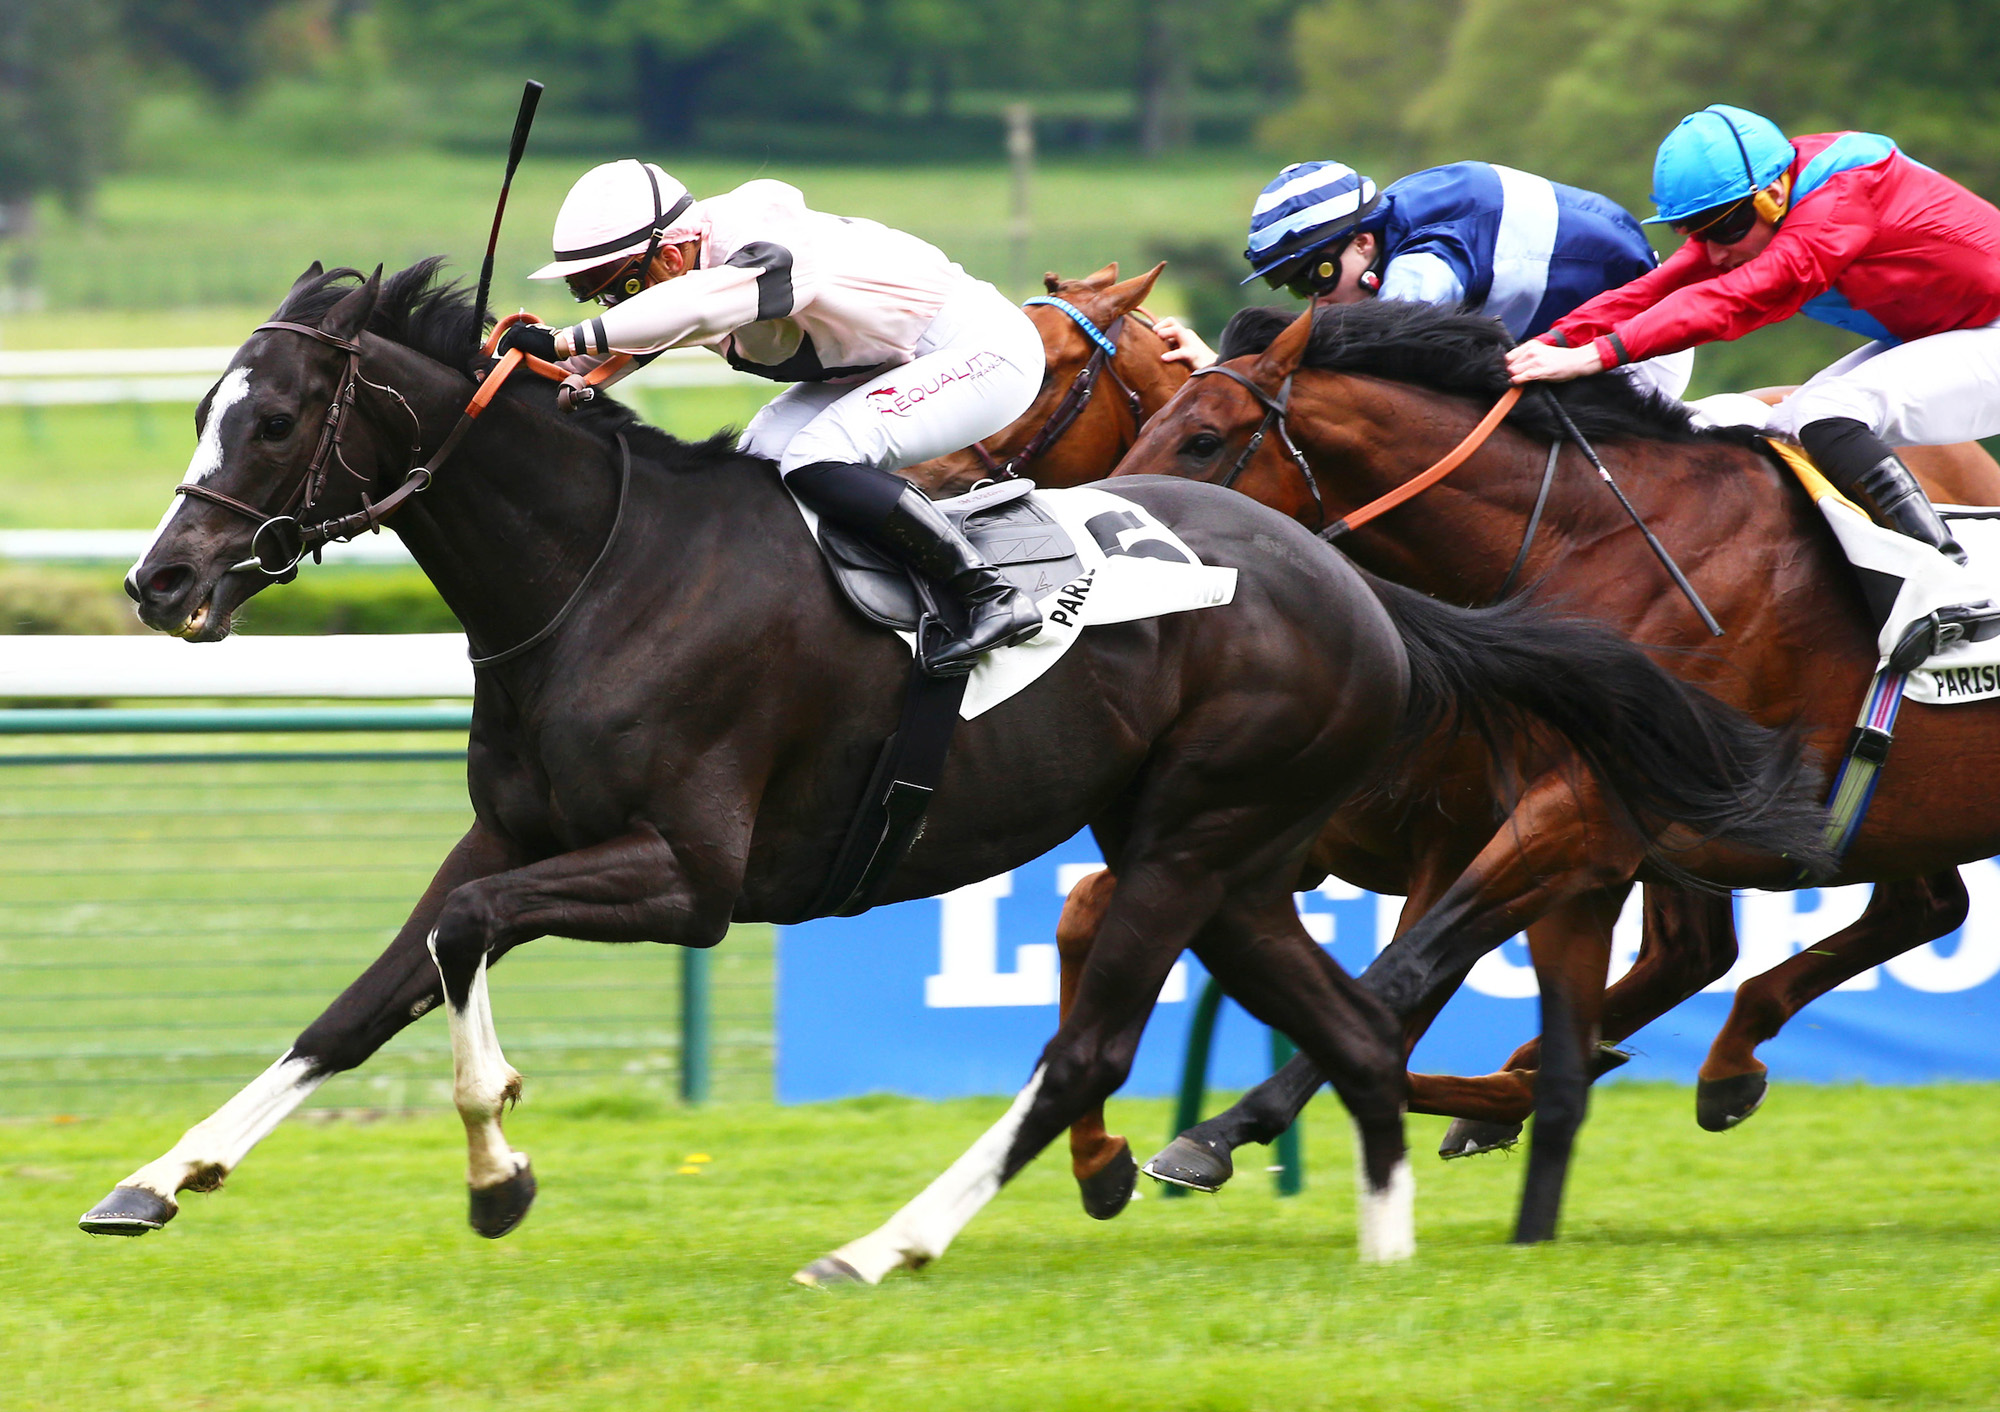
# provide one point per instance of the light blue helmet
(1718, 155)
(1306, 206)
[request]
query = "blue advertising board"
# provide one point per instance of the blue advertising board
(957, 995)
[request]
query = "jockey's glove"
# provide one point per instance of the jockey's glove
(536, 339)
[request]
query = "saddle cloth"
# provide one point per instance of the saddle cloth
(1904, 580)
(1087, 557)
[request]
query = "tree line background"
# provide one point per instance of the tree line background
(1577, 92)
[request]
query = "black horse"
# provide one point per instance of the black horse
(688, 748)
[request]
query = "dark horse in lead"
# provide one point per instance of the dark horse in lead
(687, 750)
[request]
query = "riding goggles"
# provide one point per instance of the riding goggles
(1720, 225)
(1320, 274)
(625, 280)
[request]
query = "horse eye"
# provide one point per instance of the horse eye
(1202, 443)
(275, 428)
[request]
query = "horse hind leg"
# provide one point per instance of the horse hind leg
(1152, 915)
(1263, 958)
(1900, 916)
(1100, 1161)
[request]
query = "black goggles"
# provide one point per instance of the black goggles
(1720, 225)
(624, 281)
(1320, 274)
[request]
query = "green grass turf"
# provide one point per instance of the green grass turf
(1838, 1252)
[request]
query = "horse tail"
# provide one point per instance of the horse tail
(1665, 751)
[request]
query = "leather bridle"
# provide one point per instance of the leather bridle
(1103, 359)
(1275, 409)
(310, 538)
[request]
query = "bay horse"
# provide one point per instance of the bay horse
(1379, 390)
(676, 713)
(1378, 838)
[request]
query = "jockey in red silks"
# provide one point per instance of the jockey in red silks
(895, 353)
(1841, 227)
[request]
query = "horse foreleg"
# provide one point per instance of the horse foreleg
(1900, 916)
(1100, 1161)
(631, 888)
(401, 985)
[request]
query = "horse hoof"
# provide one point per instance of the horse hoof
(1188, 1162)
(128, 1211)
(1469, 1137)
(497, 1209)
(827, 1271)
(1106, 1192)
(1720, 1104)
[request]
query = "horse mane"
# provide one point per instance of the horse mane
(1463, 355)
(427, 314)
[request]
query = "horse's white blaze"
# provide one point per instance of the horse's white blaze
(922, 1230)
(210, 1149)
(207, 458)
(1388, 1215)
(482, 1080)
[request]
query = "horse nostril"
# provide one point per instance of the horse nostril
(166, 583)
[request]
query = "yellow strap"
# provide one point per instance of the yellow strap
(1817, 485)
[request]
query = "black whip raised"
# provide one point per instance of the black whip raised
(531, 94)
(1659, 549)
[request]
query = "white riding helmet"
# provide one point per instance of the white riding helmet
(620, 208)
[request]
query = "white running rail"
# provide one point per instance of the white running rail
(386, 666)
(92, 376)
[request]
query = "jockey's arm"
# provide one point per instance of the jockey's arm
(1597, 316)
(692, 308)
(1804, 258)
(1422, 277)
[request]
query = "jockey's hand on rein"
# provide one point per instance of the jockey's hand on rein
(535, 339)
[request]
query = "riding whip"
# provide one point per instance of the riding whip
(531, 94)
(1659, 549)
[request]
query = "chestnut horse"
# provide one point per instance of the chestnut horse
(1380, 390)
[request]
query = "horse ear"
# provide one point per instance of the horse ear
(1124, 298)
(1051, 281)
(1282, 358)
(1101, 279)
(313, 271)
(350, 316)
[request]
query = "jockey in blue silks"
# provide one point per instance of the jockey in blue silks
(1520, 248)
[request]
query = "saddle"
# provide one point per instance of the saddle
(1014, 534)
(1035, 554)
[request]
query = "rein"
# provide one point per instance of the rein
(1418, 484)
(1103, 359)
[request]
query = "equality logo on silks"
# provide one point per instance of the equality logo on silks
(901, 401)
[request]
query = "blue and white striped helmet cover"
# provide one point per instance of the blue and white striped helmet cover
(1306, 204)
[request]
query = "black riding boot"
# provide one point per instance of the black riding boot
(1861, 465)
(895, 516)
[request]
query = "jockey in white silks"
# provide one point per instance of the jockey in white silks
(895, 353)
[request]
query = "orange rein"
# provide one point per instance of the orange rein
(1417, 485)
(513, 359)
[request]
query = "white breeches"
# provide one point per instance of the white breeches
(1934, 391)
(1667, 374)
(977, 367)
